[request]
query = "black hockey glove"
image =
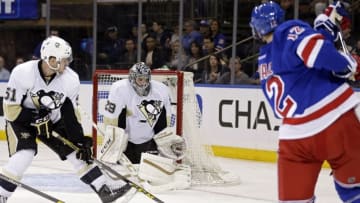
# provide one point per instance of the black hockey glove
(85, 150)
(42, 123)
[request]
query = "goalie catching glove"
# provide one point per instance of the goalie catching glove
(170, 145)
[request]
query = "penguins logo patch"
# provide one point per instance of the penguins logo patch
(151, 110)
(48, 100)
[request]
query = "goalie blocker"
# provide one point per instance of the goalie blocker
(160, 173)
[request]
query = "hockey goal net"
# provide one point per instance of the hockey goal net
(205, 170)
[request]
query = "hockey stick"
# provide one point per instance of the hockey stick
(343, 44)
(29, 188)
(345, 50)
(109, 169)
(217, 52)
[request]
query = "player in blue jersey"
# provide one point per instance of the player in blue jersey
(303, 77)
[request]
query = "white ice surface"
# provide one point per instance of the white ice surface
(258, 184)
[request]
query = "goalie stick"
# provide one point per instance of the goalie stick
(31, 189)
(109, 169)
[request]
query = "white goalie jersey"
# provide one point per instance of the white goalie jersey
(142, 112)
(28, 89)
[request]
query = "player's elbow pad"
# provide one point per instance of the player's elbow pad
(350, 68)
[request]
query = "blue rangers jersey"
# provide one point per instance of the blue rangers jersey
(296, 73)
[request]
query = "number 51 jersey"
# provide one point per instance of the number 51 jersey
(28, 89)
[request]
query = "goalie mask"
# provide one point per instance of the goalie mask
(265, 18)
(59, 49)
(139, 77)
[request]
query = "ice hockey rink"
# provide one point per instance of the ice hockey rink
(258, 184)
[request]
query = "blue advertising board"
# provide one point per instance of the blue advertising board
(18, 9)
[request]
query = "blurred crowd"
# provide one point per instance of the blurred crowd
(198, 50)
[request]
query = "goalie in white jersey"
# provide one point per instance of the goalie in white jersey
(41, 97)
(139, 125)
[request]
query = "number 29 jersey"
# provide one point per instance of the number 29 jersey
(142, 112)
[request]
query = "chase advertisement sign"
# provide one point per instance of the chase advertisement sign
(18, 9)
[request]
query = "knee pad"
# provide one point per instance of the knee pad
(348, 193)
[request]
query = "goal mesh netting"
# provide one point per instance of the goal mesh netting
(205, 170)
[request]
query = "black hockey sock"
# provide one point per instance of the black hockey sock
(7, 185)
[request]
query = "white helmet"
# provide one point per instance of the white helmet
(140, 69)
(56, 47)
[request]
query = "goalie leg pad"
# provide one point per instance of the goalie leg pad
(163, 173)
(114, 144)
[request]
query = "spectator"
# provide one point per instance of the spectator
(204, 28)
(319, 6)
(111, 47)
(154, 56)
(197, 68)
(36, 53)
(219, 38)
(190, 35)
(208, 45)
(4, 72)
(144, 31)
(240, 76)
(209, 48)
(19, 60)
(357, 48)
(163, 36)
(175, 34)
(177, 59)
(134, 32)
(129, 57)
(213, 70)
(288, 6)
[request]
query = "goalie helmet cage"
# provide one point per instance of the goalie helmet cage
(204, 168)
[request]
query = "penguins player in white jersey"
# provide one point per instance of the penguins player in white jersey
(140, 129)
(41, 97)
(142, 108)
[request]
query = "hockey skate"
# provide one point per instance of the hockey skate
(109, 193)
(3, 199)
